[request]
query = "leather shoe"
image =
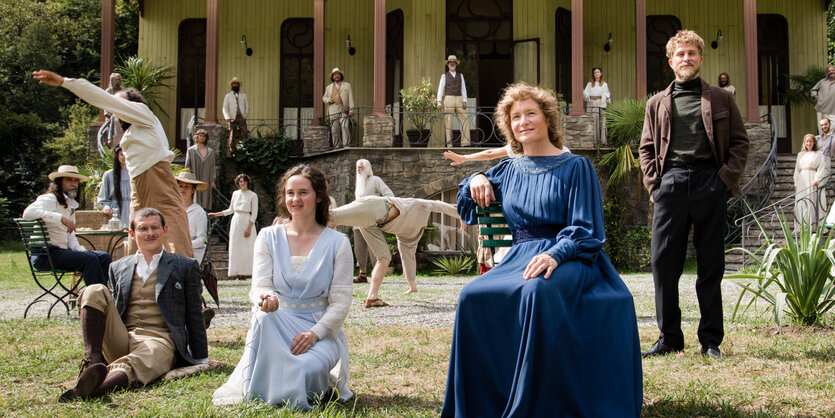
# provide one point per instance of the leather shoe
(711, 351)
(659, 349)
(361, 278)
(87, 384)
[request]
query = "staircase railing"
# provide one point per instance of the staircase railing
(219, 227)
(756, 192)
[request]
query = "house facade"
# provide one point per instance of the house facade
(283, 51)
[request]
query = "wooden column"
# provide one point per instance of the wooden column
(318, 59)
(108, 42)
(379, 58)
(211, 62)
(577, 84)
(752, 96)
(640, 49)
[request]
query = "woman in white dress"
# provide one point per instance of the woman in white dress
(301, 288)
(197, 221)
(596, 93)
(810, 175)
(244, 211)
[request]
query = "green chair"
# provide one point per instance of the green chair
(492, 227)
(52, 281)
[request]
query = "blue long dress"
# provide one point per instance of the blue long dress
(268, 370)
(565, 346)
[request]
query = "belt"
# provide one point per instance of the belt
(302, 305)
(533, 233)
(696, 164)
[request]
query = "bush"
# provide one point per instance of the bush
(265, 158)
(628, 247)
(71, 147)
(794, 277)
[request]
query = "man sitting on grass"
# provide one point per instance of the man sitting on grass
(151, 322)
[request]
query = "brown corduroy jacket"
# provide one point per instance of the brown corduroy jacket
(725, 131)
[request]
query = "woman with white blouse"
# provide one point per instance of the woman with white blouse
(596, 93)
(810, 174)
(244, 211)
(296, 350)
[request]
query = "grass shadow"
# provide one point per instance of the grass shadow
(696, 408)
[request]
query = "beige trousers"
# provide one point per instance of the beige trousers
(361, 250)
(366, 213)
(156, 188)
(454, 105)
(338, 119)
(142, 357)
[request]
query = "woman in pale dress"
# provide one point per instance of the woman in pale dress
(596, 93)
(296, 352)
(244, 211)
(114, 192)
(200, 160)
(810, 174)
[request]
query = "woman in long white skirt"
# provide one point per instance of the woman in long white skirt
(810, 175)
(244, 211)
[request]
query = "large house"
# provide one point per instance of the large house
(283, 50)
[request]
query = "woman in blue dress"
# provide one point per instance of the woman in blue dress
(551, 331)
(301, 288)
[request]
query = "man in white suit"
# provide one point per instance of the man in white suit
(340, 100)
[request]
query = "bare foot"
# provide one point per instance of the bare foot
(410, 291)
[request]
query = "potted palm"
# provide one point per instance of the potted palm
(419, 105)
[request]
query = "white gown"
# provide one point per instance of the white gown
(314, 295)
(244, 209)
(811, 166)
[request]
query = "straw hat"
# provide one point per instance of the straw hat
(234, 80)
(69, 171)
(186, 176)
(337, 70)
(451, 58)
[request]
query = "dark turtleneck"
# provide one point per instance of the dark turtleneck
(689, 143)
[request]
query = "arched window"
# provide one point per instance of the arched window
(296, 87)
(659, 30)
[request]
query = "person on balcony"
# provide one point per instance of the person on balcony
(725, 83)
(340, 100)
(810, 174)
(596, 94)
(824, 94)
(235, 111)
(200, 160)
(824, 140)
(452, 98)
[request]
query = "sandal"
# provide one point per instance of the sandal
(375, 303)
(361, 278)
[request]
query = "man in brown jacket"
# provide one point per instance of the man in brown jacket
(693, 150)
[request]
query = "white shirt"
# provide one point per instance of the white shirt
(442, 86)
(144, 143)
(231, 106)
(597, 90)
(145, 270)
(197, 228)
(46, 207)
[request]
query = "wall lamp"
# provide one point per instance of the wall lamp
(719, 37)
(351, 50)
(245, 46)
(608, 45)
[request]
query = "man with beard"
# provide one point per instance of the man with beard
(693, 150)
(57, 210)
(340, 100)
(452, 98)
(147, 156)
(235, 111)
(367, 185)
(824, 94)
(114, 127)
(824, 140)
(725, 83)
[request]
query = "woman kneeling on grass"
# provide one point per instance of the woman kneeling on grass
(302, 283)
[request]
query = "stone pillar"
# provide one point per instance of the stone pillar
(577, 79)
(752, 80)
(640, 49)
(315, 139)
(378, 131)
(211, 62)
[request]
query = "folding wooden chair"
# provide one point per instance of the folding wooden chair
(36, 241)
(492, 231)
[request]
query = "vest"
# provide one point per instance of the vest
(337, 99)
(453, 84)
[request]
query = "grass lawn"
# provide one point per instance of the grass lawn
(400, 370)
